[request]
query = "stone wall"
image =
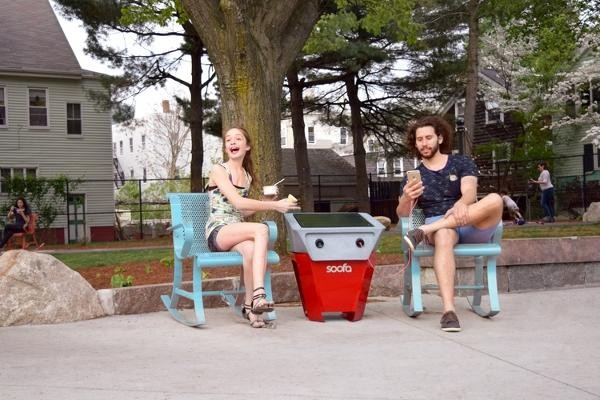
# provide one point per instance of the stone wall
(525, 264)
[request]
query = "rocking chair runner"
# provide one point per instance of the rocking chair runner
(29, 232)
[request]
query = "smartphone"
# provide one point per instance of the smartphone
(413, 175)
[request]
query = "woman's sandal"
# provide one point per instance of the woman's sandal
(255, 320)
(260, 304)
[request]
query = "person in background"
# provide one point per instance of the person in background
(21, 212)
(547, 189)
(447, 194)
(513, 208)
(228, 188)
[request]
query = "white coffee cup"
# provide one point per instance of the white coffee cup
(270, 190)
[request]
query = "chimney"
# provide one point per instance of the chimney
(166, 106)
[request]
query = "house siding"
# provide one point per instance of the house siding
(569, 146)
(52, 151)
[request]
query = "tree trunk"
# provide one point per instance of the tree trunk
(252, 44)
(472, 76)
(360, 163)
(300, 149)
(196, 116)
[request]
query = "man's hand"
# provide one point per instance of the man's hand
(413, 189)
(460, 213)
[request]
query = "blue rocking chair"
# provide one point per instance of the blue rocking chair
(189, 212)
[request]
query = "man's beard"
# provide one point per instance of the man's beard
(434, 151)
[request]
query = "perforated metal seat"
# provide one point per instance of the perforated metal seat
(189, 213)
(484, 254)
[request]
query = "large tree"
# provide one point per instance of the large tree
(252, 44)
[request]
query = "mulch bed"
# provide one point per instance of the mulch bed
(147, 273)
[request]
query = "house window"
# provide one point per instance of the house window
(590, 163)
(311, 134)
(343, 136)
(19, 172)
(120, 147)
(370, 145)
(590, 95)
(398, 166)
(38, 107)
(143, 142)
(131, 174)
(493, 113)
(74, 119)
(131, 145)
(283, 140)
(2, 107)
(381, 167)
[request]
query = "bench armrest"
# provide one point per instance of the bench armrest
(272, 226)
(183, 236)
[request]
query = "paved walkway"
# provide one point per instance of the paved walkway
(543, 345)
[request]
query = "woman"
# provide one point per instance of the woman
(21, 212)
(228, 187)
(547, 200)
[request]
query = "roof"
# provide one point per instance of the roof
(488, 74)
(33, 41)
(322, 162)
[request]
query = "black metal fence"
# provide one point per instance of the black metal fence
(139, 202)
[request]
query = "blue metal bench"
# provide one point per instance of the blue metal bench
(189, 212)
(484, 253)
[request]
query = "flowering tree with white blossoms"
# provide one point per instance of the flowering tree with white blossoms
(580, 88)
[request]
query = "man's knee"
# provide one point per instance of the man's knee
(444, 238)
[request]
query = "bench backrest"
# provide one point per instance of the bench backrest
(190, 208)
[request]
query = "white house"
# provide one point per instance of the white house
(140, 149)
(48, 124)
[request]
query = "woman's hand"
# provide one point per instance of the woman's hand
(284, 205)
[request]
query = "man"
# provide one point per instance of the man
(547, 188)
(447, 194)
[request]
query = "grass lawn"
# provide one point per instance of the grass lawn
(389, 244)
(98, 259)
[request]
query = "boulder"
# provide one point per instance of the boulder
(385, 221)
(593, 213)
(37, 288)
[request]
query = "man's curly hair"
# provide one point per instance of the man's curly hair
(441, 127)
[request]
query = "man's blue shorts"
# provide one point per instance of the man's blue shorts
(468, 234)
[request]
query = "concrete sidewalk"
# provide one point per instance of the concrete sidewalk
(543, 345)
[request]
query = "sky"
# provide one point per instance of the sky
(147, 102)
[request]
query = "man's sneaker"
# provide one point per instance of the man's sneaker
(449, 322)
(414, 237)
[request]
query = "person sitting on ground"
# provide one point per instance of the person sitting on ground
(513, 208)
(447, 194)
(21, 213)
(228, 187)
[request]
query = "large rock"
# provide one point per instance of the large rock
(593, 213)
(37, 288)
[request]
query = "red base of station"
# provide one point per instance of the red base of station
(333, 286)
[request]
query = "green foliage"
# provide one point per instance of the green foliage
(119, 280)
(130, 191)
(46, 196)
(336, 31)
(168, 262)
